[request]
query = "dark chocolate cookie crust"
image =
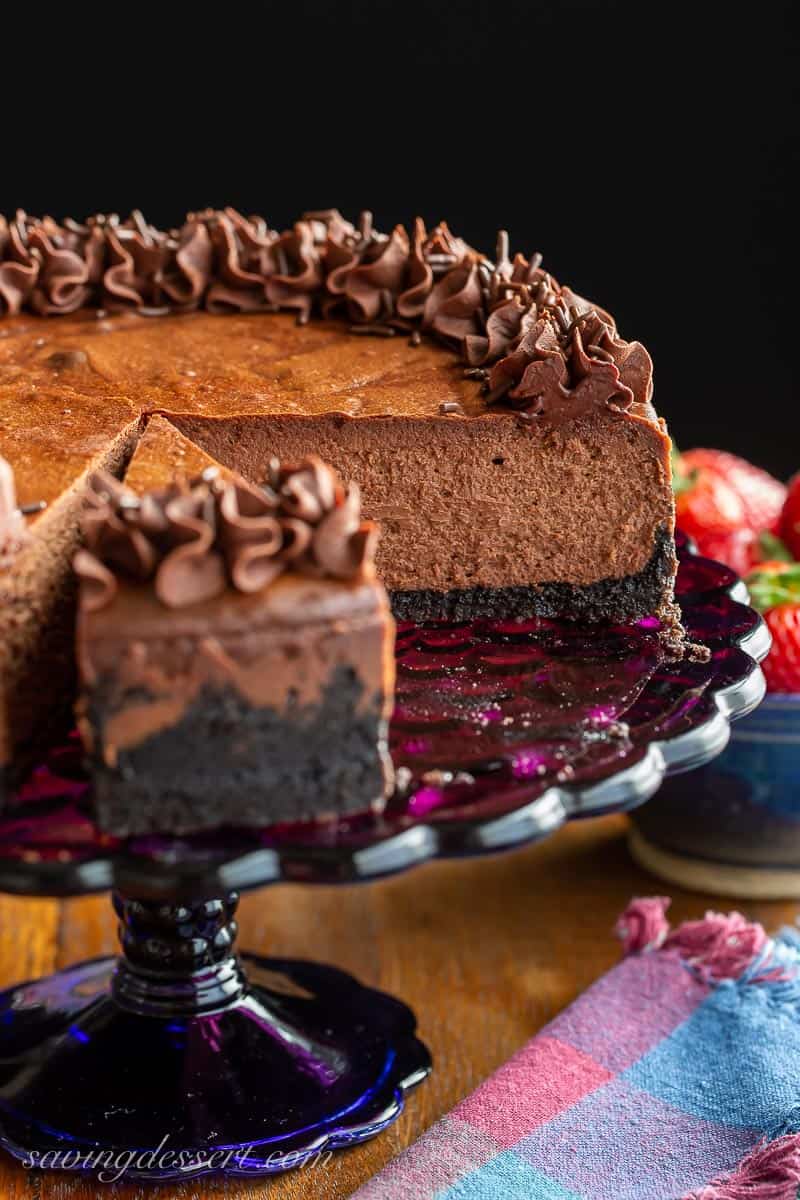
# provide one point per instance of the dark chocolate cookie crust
(618, 600)
(226, 763)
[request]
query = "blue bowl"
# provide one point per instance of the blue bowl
(734, 825)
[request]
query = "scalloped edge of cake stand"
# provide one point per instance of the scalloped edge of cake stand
(425, 841)
(404, 1062)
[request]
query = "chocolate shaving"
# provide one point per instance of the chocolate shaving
(374, 329)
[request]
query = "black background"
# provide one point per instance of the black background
(647, 151)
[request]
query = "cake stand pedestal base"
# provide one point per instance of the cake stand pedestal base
(180, 1058)
(720, 879)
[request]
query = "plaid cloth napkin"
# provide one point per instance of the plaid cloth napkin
(675, 1077)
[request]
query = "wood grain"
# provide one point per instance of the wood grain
(485, 952)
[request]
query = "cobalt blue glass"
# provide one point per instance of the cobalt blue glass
(182, 1057)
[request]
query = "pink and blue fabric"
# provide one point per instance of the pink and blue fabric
(675, 1077)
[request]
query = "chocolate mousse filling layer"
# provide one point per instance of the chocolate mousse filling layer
(477, 510)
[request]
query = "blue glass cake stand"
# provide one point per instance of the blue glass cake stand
(181, 1057)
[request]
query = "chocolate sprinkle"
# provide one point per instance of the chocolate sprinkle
(377, 330)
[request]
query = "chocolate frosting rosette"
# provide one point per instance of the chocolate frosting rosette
(194, 539)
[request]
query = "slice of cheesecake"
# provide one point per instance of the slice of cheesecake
(235, 648)
(163, 454)
(501, 429)
(51, 440)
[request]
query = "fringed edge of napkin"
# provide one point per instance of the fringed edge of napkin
(728, 946)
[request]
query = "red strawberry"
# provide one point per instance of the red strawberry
(704, 502)
(775, 590)
(790, 520)
(782, 664)
(737, 549)
(761, 494)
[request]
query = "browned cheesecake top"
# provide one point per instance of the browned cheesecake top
(163, 453)
(532, 342)
(258, 363)
(220, 366)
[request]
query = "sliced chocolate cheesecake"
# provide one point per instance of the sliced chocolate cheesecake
(484, 510)
(537, 482)
(50, 441)
(500, 428)
(235, 649)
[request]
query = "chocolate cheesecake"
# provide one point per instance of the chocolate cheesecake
(235, 648)
(499, 426)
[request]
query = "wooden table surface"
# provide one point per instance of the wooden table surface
(485, 952)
